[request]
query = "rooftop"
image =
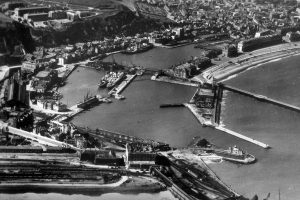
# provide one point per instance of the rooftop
(141, 156)
(43, 74)
(33, 8)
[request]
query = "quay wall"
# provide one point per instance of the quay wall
(167, 80)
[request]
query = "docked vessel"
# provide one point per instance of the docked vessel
(88, 101)
(119, 97)
(138, 48)
(102, 83)
(106, 100)
(233, 154)
(103, 99)
(140, 72)
(115, 79)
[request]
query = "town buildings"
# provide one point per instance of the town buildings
(256, 43)
(139, 160)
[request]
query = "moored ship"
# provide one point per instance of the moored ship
(233, 154)
(102, 83)
(115, 79)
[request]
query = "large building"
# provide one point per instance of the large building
(139, 160)
(44, 80)
(36, 17)
(186, 70)
(256, 43)
(29, 66)
(14, 89)
(205, 97)
(58, 14)
(20, 12)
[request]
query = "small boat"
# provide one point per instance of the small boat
(119, 97)
(140, 72)
(102, 84)
(106, 100)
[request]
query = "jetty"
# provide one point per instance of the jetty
(171, 105)
(120, 88)
(76, 109)
(168, 80)
(205, 122)
(265, 146)
(202, 120)
(70, 69)
(261, 98)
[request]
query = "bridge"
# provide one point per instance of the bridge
(34, 137)
(260, 97)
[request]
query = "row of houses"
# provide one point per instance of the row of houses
(260, 42)
(191, 68)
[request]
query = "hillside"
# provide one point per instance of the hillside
(14, 33)
(123, 23)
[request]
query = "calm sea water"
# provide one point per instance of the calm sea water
(139, 114)
(278, 167)
(160, 58)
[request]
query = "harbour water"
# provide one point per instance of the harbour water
(276, 168)
(139, 115)
(159, 58)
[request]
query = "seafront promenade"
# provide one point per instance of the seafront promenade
(258, 57)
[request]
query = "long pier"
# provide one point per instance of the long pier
(261, 98)
(266, 146)
(68, 73)
(171, 105)
(208, 123)
(78, 108)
